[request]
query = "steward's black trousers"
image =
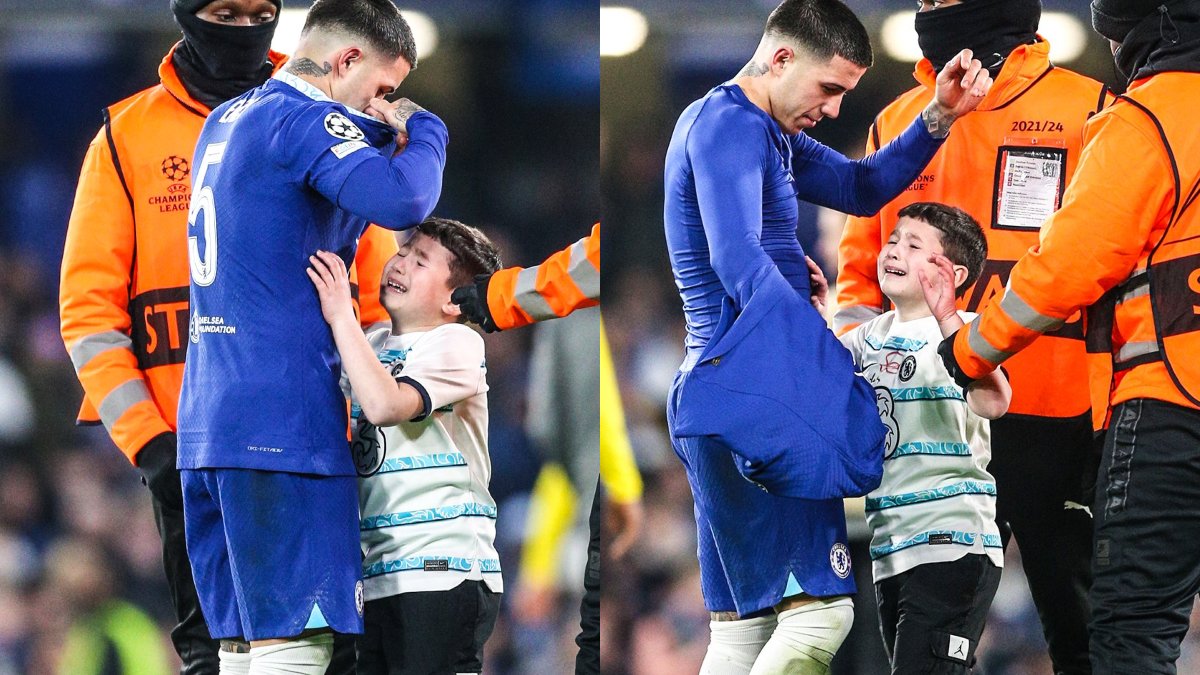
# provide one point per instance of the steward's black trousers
(1043, 467)
(588, 660)
(1147, 555)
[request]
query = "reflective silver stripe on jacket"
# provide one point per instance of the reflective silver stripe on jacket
(122, 398)
(583, 272)
(1132, 350)
(1139, 291)
(528, 298)
(1025, 315)
(982, 347)
(91, 346)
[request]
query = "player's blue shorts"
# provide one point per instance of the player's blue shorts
(273, 553)
(756, 548)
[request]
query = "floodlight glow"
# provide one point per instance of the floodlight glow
(291, 22)
(1067, 36)
(900, 38)
(287, 33)
(622, 31)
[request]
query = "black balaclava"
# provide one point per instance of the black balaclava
(1115, 18)
(216, 62)
(991, 29)
(1155, 35)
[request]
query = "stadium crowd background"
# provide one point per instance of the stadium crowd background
(653, 615)
(516, 82)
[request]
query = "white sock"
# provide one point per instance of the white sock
(733, 645)
(806, 638)
(234, 663)
(302, 656)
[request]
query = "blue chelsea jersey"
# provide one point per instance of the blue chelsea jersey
(260, 387)
(732, 179)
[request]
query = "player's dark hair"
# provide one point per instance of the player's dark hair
(471, 252)
(377, 21)
(963, 241)
(825, 28)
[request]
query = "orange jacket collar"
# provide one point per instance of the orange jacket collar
(171, 82)
(1024, 65)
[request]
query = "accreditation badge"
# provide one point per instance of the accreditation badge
(1030, 179)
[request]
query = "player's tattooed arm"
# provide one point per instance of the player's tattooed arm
(404, 110)
(937, 122)
(396, 114)
(961, 85)
(754, 69)
(306, 66)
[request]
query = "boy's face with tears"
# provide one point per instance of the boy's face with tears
(909, 249)
(415, 286)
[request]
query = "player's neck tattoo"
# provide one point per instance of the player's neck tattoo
(306, 66)
(753, 69)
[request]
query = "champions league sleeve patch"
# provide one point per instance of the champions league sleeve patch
(346, 147)
(340, 126)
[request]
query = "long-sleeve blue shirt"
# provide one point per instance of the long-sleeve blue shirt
(732, 183)
(280, 173)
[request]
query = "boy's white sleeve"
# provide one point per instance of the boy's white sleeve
(446, 366)
(853, 341)
(375, 338)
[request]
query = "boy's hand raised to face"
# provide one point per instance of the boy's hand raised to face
(938, 287)
(329, 275)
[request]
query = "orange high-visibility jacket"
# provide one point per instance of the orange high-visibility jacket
(1125, 245)
(566, 281)
(124, 286)
(1032, 119)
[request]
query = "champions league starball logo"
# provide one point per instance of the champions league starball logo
(176, 168)
(340, 126)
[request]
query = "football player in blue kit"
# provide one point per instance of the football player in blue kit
(299, 164)
(775, 570)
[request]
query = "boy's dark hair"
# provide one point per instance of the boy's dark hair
(826, 28)
(377, 21)
(963, 241)
(471, 252)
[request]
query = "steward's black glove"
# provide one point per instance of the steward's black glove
(157, 464)
(472, 300)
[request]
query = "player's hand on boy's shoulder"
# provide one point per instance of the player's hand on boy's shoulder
(332, 280)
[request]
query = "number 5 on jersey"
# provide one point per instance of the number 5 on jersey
(204, 269)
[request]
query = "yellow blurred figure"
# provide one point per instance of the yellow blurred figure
(552, 511)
